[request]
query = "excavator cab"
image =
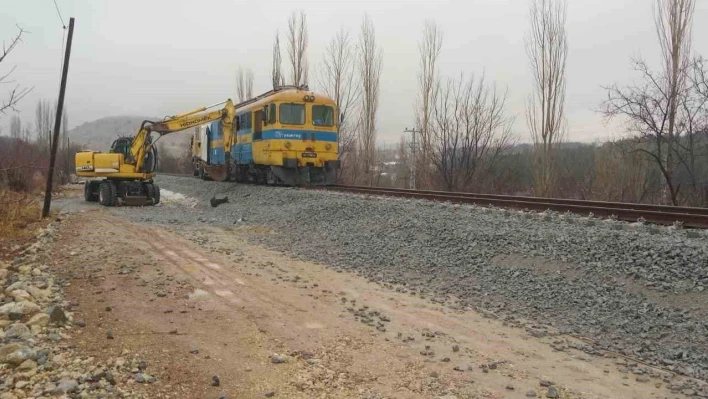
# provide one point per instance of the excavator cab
(121, 146)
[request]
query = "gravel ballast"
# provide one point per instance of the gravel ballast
(635, 289)
(36, 323)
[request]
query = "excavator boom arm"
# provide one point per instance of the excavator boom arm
(141, 145)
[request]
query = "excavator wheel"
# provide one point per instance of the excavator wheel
(149, 191)
(153, 193)
(88, 195)
(156, 193)
(90, 191)
(107, 193)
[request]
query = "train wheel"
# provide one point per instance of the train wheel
(271, 180)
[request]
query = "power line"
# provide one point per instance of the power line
(59, 13)
(63, 36)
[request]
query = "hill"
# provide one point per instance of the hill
(98, 135)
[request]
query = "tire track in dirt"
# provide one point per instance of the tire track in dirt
(223, 283)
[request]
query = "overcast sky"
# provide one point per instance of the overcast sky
(155, 58)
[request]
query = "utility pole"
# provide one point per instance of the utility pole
(57, 122)
(414, 160)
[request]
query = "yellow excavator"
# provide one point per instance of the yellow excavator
(123, 176)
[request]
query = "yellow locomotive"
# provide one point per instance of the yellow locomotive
(285, 136)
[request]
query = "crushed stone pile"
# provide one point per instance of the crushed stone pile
(35, 323)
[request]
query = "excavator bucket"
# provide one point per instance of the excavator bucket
(136, 201)
(216, 172)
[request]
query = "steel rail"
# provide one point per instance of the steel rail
(660, 214)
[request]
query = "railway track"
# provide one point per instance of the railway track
(630, 212)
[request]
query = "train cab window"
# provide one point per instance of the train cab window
(292, 114)
(322, 115)
(271, 113)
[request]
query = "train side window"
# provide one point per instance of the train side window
(292, 114)
(271, 113)
(238, 123)
(244, 121)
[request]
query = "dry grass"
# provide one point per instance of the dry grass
(18, 212)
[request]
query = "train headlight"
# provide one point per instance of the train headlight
(287, 144)
(328, 146)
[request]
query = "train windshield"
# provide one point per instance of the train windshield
(322, 115)
(292, 114)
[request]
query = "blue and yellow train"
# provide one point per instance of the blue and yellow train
(285, 136)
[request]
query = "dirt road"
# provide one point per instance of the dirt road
(199, 302)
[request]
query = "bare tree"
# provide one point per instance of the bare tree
(44, 117)
(240, 84)
(244, 83)
(621, 173)
(297, 48)
(17, 93)
(277, 78)
(429, 47)
(27, 131)
(663, 107)
(699, 76)
(469, 131)
(338, 79)
(370, 63)
(692, 132)
(547, 50)
(15, 127)
(249, 84)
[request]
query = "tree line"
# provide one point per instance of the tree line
(24, 155)
(662, 158)
(463, 125)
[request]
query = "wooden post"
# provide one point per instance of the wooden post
(57, 122)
